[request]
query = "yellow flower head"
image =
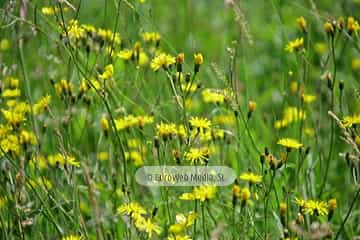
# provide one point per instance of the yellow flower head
(349, 121)
(329, 28)
(355, 64)
(332, 204)
(41, 105)
(200, 123)
(72, 237)
(251, 178)
(314, 207)
(290, 143)
(198, 59)
(131, 209)
(296, 45)
(201, 193)
(352, 25)
(245, 194)
(162, 60)
(108, 72)
(105, 124)
(301, 23)
(147, 226)
(197, 155)
(307, 98)
(166, 130)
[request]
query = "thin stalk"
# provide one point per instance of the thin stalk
(327, 167)
(348, 214)
(203, 221)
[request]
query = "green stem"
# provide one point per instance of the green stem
(203, 221)
(348, 214)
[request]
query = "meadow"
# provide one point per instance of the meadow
(92, 91)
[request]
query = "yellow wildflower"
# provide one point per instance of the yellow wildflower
(41, 105)
(162, 60)
(200, 124)
(251, 177)
(301, 23)
(296, 45)
(290, 143)
(197, 155)
(349, 121)
(355, 64)
(307, 98)
(11, 93)
(72, 237)
(108, 72)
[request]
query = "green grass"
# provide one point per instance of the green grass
(243, 45)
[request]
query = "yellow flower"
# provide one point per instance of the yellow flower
(136, 157)
(189, 87)
(125, 54)
(200, 124)
(182, 222)
(197, 155)
(307, 98)
(11, 93)
(236, 190)
(148, 226)
(329, 28)
(290, 143)
(105, 126)
(201, 193)
(349, 121)
(132, 209)
(133, 121)
(39, 162)
(60, 160)
(300, 202)
(294, 86)
(355, 64)
(108, 35)
(74, 31)
(245, 195)
(108, 72)
(352, 25)
(296, 45)
(162, 60)
(332, 204)
(10, 144)
(41, 105)
(103, 156)
(179, 237)
(290, 115)
(198, 59)
(252, 106)
(301, 23)
(4, 44)
(72, 237)
(27, 137)
(251, 177)
(52, 10)
(283, 208)
(314, 207)
(151, 37)
(166, 130)
(13, 118)
(211, 96)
